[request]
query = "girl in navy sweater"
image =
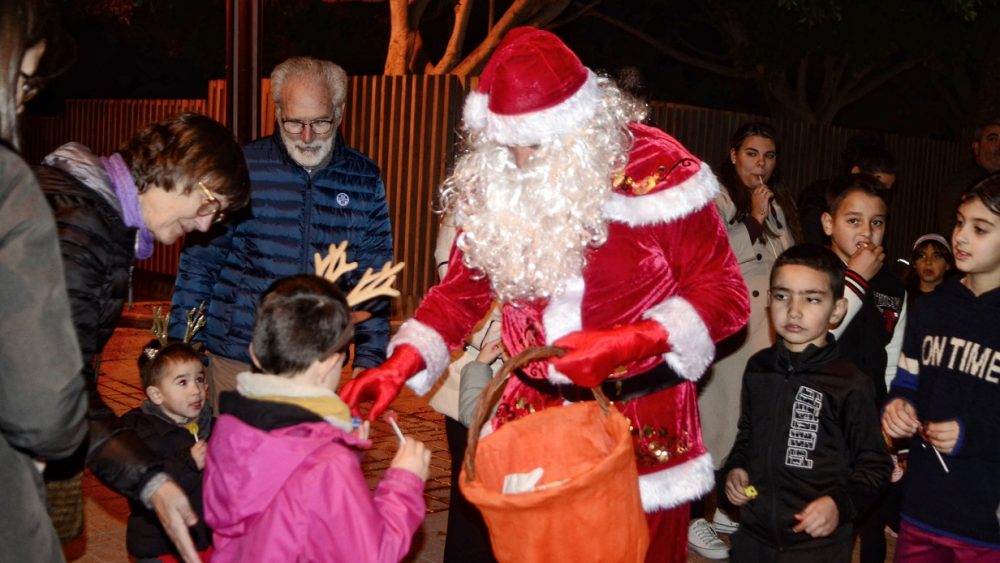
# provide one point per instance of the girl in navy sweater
(946, 395)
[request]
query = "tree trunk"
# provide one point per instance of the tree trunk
(398, 55)
(453, 52)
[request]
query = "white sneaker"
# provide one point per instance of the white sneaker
(703, 540)
(723, 524)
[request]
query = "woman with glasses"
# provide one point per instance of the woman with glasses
(42, 400)
(173, 177)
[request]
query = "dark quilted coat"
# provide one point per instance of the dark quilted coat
(291, 217)
(98, 253)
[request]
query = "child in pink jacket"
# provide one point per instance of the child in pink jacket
(283, 478)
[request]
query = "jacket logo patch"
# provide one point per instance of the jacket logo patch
(343, 199)
(804, 427)
(890, 307)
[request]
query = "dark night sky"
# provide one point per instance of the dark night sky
(170, 49)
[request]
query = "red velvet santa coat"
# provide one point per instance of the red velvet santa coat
(667, 258)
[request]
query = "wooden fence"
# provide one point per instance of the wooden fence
(407, 125)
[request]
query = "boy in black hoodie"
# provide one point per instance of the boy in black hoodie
(809, 455)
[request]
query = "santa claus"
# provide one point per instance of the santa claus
(597, 234)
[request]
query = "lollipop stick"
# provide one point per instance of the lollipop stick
(940, 459)
(395, 428)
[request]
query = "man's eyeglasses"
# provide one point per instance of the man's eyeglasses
(318, 126)
(31, 86)
(210, 206)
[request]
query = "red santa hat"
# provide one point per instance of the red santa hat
(533, 89)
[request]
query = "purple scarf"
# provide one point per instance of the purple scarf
(128, 196)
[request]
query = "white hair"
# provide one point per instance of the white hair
(528, 229)
(324, 72)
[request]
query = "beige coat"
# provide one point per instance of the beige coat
(719, 398)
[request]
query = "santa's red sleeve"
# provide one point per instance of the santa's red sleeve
(447, 314)
(711, 300)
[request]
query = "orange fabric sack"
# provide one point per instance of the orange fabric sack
(595, 515)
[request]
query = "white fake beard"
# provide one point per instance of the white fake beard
(308, 155)
(529, 229)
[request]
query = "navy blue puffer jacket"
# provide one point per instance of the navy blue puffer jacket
(291, 216)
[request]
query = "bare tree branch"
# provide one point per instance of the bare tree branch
(864, 83)
(579, 11)
(669, 50)
(452, 53)
(949, 95)
(398, 54)
(516, 14)
(547, 12)
(801, 83)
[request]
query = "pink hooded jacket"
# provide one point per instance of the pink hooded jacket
(298, 494)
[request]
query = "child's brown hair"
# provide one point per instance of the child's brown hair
(154, 360)
(300, 319)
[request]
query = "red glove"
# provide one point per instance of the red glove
(593, 355)
(382, 384)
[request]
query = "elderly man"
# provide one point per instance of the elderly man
(986, 160)
(308, 191)
(596, 234)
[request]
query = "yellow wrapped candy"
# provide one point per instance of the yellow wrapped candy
(750, 491)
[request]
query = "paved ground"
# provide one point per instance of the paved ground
(106, 512)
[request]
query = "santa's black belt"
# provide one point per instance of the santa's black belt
(656, 379)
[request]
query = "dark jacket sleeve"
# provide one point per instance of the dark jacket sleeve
(201, 262)
(372, 336)
(737, 457)
(871, 465)
(42, 402)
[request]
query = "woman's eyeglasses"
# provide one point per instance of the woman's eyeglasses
(211, 206)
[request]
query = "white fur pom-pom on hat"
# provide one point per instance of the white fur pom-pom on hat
(475, 109)
(532, 89)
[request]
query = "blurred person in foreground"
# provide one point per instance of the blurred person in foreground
(42, 400)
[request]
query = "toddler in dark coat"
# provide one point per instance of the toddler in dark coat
(174, 421)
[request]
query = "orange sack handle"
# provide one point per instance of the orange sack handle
(492, 393)
(588, 508)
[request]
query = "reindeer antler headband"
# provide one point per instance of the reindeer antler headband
(195, 322)
(371, 285)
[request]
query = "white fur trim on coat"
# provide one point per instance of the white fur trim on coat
(691, 346)
(665, 205)
(432, 349)
(562, 316)
(677, 485)
(536, 127)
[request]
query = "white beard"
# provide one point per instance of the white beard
(529, 229)
(308, 155)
